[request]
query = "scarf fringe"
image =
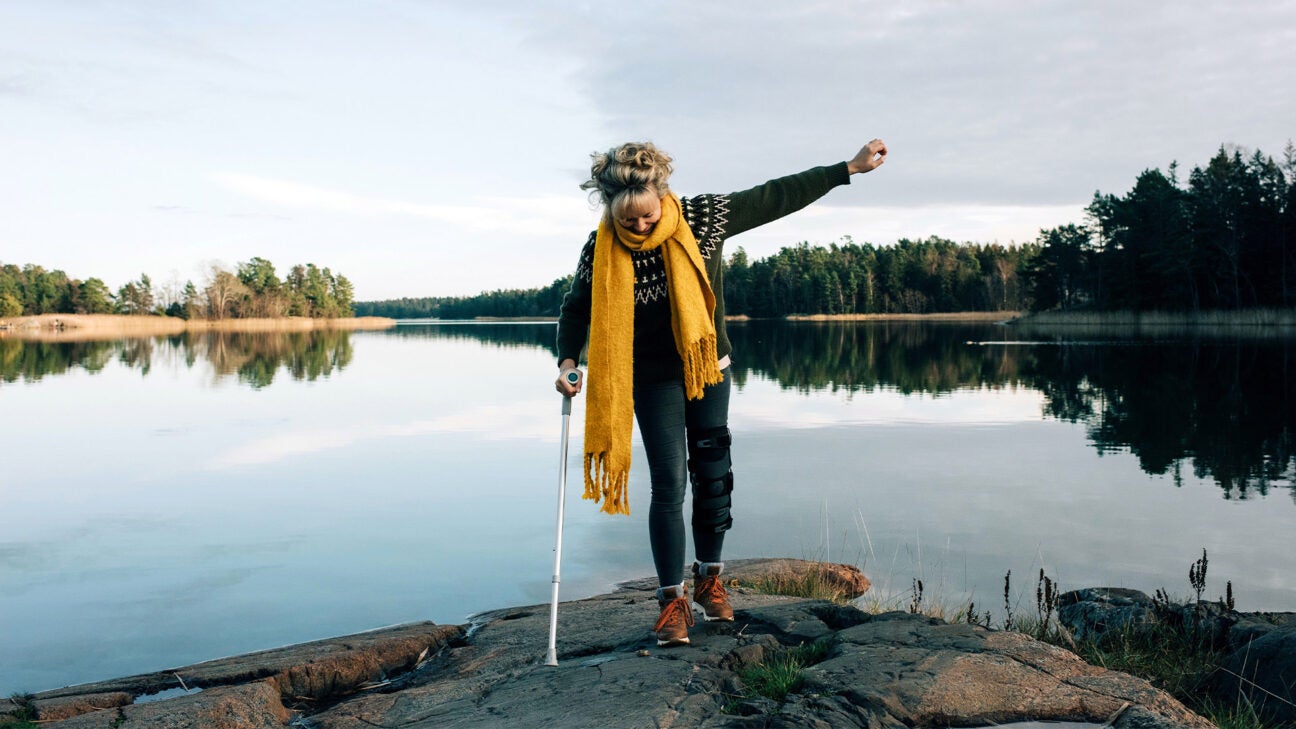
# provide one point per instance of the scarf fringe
(602, 485)
(701, 367)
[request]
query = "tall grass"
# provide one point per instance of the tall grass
(812, 584)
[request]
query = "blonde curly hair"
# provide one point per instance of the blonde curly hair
(624, 177)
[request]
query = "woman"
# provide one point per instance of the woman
(648, 296)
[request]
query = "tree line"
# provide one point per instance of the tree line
(503, 303)
(910, 277)
(932, 275)
(252, 289)
(1224, 239)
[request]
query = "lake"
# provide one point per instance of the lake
(175, 499)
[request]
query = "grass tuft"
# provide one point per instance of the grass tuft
(782, 673)
(813, 584)
(24, 715)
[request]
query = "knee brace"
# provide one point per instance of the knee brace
(709, 467)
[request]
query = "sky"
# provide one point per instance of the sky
(425, 148)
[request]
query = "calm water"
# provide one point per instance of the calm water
(171, 500)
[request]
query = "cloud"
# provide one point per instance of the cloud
(1011, 103)
(524, 422)
(549, 215)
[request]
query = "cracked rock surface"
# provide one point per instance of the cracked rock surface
(888, 670)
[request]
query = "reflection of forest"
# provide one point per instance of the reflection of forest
(253, 357)
(500, 334)
(1225, 407)
(863, 356)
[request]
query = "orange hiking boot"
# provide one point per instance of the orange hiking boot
(710, 593)
(676, 616)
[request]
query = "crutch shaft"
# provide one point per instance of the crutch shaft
(551, 655)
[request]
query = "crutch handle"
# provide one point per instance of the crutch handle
(573, 377)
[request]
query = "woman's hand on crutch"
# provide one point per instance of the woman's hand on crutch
(570, 379)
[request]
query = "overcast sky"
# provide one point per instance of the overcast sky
(435, 148)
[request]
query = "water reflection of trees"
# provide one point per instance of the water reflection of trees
(501, 334)
(254, 358)
(864, 356)
(1226, 407)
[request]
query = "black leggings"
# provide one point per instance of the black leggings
(666, 419)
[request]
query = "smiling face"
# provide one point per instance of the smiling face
(640, 215)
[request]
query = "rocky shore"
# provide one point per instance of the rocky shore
(889, 670)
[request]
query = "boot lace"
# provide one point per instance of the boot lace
(710, 589)
(675, 610)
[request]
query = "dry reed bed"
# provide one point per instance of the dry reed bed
(82, 327)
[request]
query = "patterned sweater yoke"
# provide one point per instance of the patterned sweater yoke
(705, 215)
(713, 219)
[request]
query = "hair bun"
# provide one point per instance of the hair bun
(630, 167)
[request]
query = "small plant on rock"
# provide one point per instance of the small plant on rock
(24, 714)
(1009, 623)
(782, 673)
(971, 618)
(1046, 603)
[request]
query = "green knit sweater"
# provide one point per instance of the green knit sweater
(713, 219)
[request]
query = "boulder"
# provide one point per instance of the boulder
(1093, 612)
(1261, 669)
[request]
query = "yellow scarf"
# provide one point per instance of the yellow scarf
(609, 411)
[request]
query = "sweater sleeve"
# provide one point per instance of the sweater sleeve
(574, 314)
(782, 196)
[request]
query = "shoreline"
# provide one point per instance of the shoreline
(1152, 319)
(74, 327)
(972, 316)
(903, 668)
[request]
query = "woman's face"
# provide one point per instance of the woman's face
(642, 218)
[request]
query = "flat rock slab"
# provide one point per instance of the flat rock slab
(890, 670)
(303, 674)
(251, 706)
